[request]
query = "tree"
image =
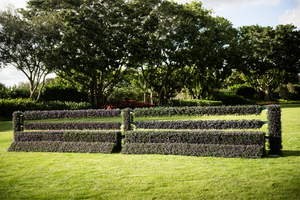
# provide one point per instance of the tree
(27, 45)
(166, 54)
(94, 48)
(269, 57)
(212, 57)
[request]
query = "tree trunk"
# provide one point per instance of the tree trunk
(145, 91)
(151, 95)
(268, 96)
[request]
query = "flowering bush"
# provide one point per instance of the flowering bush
(124, 104)
(200, 124)
(196, 137)
(18, 121)
(69, 136)
(274, 126)
(127, 119)
(199, 111)
(52, 114)
(58, 146)
(94, 125)
(215, 150)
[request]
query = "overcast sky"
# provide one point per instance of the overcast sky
(239, 12)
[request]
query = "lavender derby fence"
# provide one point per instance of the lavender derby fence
(191, 138)
(204, 138)
(72, 136)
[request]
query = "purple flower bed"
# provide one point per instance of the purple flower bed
(69, 136)
(198, 111)
(204, 150)
(53, 114)
(57, 146)
(197, 137)
(199, 124)
(274, 126)
(95, 125)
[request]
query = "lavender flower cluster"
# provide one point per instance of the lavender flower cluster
(58, 146)
(196, 137)
(204, 150)
(198, 111)
(274, 126)
(69, 136)
(200, 124)
(53, 114)
(95, 125)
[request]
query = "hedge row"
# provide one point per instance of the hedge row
(274, 127)
(200, 124)
(8, 106)
(94, 125)
(203, 150)
(195, 102)
(52, 114)
(58, 146)
(69, 136)
(197, 137)
(199, 111)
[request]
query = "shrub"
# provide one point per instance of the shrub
(68, 136)
(274, 126)
(204, 150)
(198, 111)
(243, 90)
(127, 119)
(196, 137)
(8, 106)
(57, 146)
(62, 92)
(209, 124)
(195, 102)
(18, 121)
(52, 114)
(230, 99)
(121, 104)
(72, 125)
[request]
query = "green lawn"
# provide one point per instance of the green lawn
(117, 176)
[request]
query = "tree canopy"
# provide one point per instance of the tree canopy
(166, 47)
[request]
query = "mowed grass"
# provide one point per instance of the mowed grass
(28, 175)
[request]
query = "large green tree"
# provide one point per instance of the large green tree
(269, 57)
(28, 45)
(170, 55)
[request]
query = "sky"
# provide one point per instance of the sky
(238, 12)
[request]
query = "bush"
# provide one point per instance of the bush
(72, 125)
(200, 124)
(195, 102)
(124, 104)
(274, 126)
(243, 90)
(57, 146)
(230, 99)
(203, 150)
(8, 106)
(14, 92)
(198, 111)
(68, 136)
(196, 137)
(60, 92)
(53, 114)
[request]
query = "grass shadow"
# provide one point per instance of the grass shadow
(287, 153)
